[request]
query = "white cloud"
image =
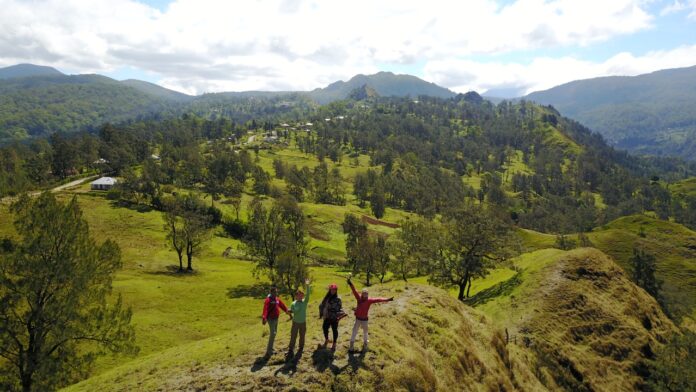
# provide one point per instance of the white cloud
(205, 45)
(543, 73)
(680, 6)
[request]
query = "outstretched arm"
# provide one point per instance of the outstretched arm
(355, 292)
(378, 300)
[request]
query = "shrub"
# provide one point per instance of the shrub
(234, 228)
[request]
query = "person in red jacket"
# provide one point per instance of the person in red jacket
(271, 310)
(364, 303)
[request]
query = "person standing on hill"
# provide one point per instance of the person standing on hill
(331, 310)
(271, 311)
(364, 303)
(298, 311)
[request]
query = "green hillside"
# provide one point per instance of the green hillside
(649, 114)
(41, 105)
(674, 246)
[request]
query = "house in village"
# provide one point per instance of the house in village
(103, 184)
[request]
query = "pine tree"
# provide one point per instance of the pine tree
(55, 315)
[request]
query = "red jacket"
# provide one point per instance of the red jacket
(364, 304)
(270, 307)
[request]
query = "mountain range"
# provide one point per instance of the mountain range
(648, 114)
(651, 114)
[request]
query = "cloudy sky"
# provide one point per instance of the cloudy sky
(196, 46)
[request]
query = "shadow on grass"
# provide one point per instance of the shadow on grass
(259, 363)
(142, 208)
(173, 270)
(256, 290)
(502, 288)
(322, 359)
(356, 361)
(290, 365)
(264, 361)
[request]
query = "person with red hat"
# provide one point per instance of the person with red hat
(331, 310)
(364, 303)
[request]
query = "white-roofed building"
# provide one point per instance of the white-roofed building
(103, 184)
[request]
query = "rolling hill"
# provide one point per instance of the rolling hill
(650, 114)
(26, 70)
(156, 90)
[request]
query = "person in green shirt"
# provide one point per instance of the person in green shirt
(298, 311)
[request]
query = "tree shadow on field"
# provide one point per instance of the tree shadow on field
(256, 290)
(173, 270)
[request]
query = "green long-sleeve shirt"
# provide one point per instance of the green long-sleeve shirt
(299, 308)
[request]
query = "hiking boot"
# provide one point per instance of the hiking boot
(333, 347)
(289, 356)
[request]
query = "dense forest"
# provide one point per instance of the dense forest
(546, 172)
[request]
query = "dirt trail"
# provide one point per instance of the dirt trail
(80, 181)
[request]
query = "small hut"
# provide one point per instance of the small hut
(103, 184)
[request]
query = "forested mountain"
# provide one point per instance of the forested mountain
(385, 84)
(651, 113)
(41, 105)
(38, 101)
(24, 70)
(156, 90)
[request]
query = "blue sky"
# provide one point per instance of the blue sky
(197, 46)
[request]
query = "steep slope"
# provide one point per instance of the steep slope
(651, 113)
(588, 327)
(674, 247)
(24, 70)
(575, 321)
(384, 83)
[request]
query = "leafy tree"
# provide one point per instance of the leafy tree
(644, 267)
(564, 242)
(173, 224)
(55, 316)
(382, 257)
(472, 240)
(262, 181)
(355, 230)
(64, 156)
(361, 188)
(415, 246)
(232, 189)
(377, 200)
(276, 238)
(675, 367)
(188, 224)
(280, 168)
